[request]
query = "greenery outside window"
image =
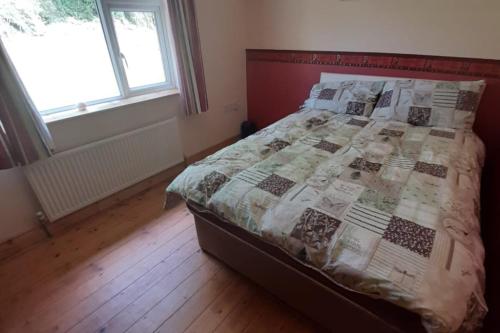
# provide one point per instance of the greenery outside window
(76, 53)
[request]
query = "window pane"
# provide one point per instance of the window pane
(139, 46)
(59, 51)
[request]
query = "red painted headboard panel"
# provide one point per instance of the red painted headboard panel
(279, 81)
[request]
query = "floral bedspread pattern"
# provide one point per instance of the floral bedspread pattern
(383, 208)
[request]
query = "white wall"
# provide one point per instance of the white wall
(464, 28)
(17, 204)
(221, 31)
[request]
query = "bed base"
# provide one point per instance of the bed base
(301, 287)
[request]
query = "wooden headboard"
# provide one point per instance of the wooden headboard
(278, 82)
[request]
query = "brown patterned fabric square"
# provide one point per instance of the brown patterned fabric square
(364, 165)
(355, 108)
(435, 170)
(327, 93)
(357, 122)
(467, 100)
(277, 144)
(276, 185)
(442, 134)
(385, 100)
(315, 228)
(410, 235)
(211, 183)
(328, 146)
(389, 132)
(419, 116)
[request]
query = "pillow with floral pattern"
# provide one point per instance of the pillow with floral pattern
(351, 97)
(451, 104)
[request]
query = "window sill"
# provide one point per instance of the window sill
(55, 117)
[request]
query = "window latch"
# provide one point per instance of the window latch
(124, 59)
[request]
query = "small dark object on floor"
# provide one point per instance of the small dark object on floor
(247, 128)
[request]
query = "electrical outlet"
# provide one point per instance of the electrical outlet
(233, 107)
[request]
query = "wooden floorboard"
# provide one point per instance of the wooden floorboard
(134, 268)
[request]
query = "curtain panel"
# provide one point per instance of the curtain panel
(24, 137)
(189, 57)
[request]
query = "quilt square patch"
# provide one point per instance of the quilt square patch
(357, 177)
(376, 199)
(419, 116)
(400, 161)
(328, 146)
(327, 94)
(369, 218)
(435, 170)
(405, 268)
(332, 205)
(354, 247)
(411, 149)
(386, 187)
(410, 235)
(315, 122)
(276, 185)
(445, 98)
(422, 97)
(442, 134)
(430, 194)
(251, 176)
(389, 132)
(315, 228)
(211, 183)
(355, 108)
(277, 144)
(467, 100)
(357, 122)
(364, 165)
(396, 174)
(385, 100)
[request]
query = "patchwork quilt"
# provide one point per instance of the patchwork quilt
(383, 208)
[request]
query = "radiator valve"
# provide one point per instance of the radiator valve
(42, 219)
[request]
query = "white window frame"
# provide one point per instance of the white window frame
(104, 8)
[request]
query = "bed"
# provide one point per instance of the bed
(359, 221)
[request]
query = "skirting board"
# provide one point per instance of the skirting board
(21, 243)
(204, 153)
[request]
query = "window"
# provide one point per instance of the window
(85, 52)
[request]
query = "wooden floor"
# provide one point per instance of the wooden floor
(134, 268)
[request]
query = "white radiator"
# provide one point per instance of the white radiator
(76, 178)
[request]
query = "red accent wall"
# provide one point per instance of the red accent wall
(279, 81)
